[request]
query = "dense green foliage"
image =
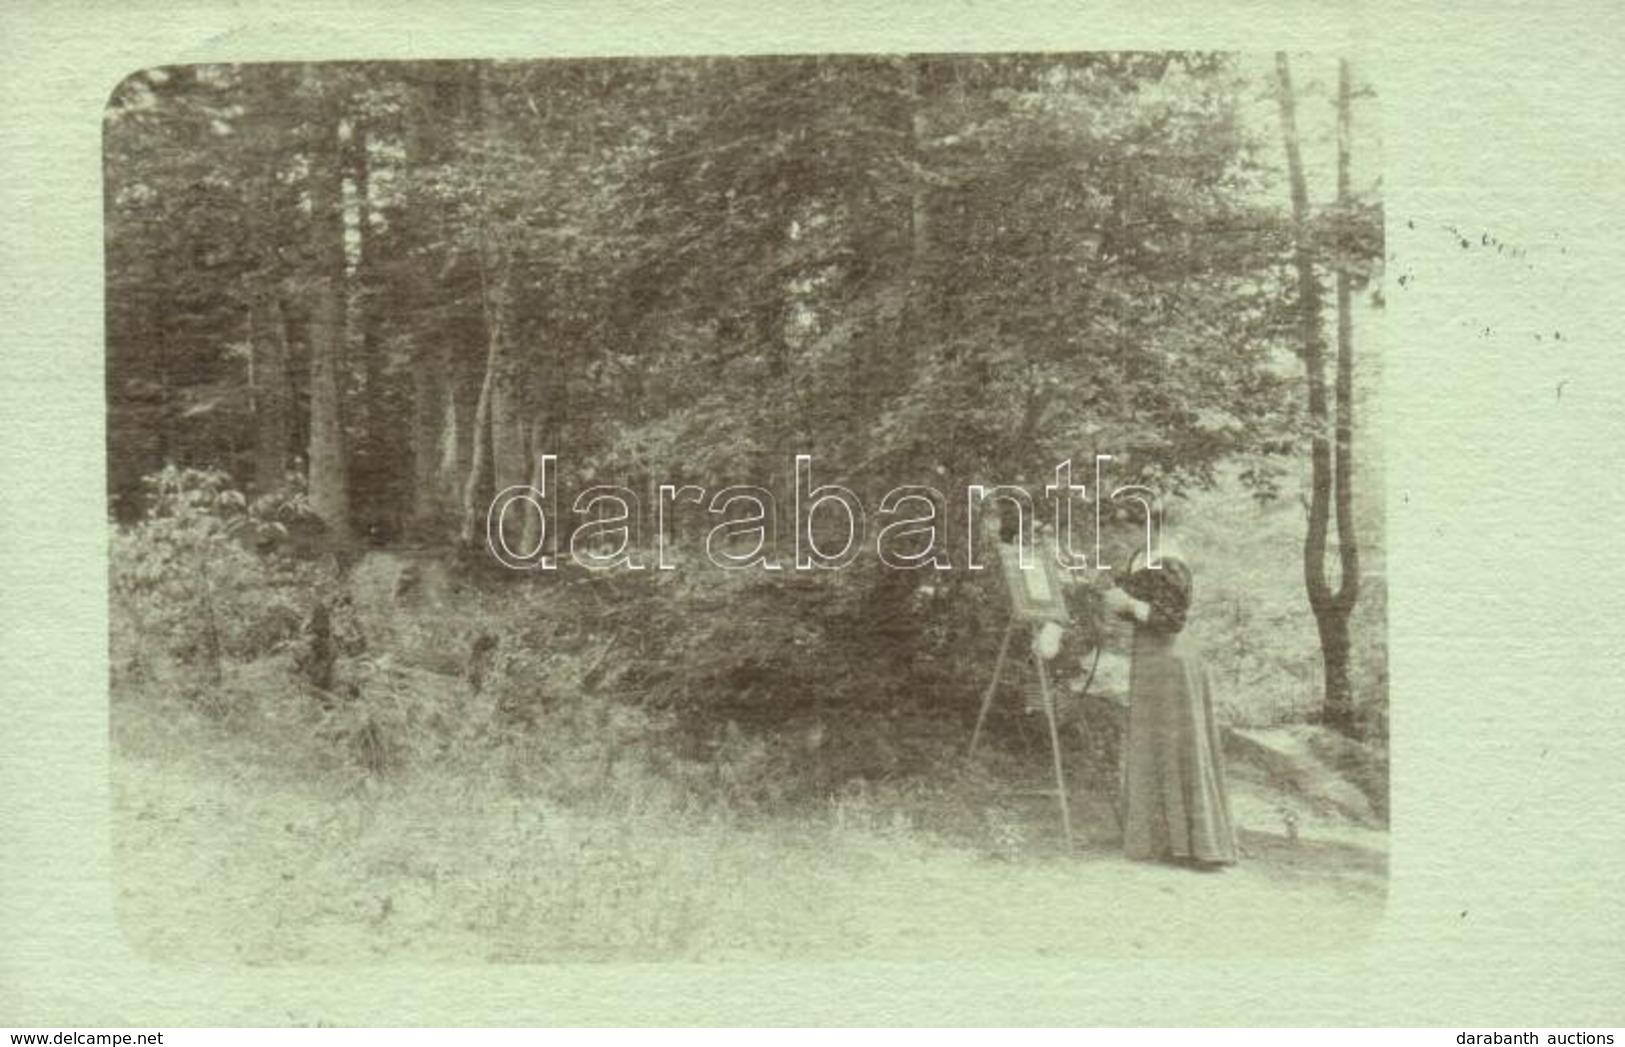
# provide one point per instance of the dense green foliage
(935, 270)
(696, 268)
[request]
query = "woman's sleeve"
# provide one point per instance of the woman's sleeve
(1167, 591)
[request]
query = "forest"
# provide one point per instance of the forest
(349, 304)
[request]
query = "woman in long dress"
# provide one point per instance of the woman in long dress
(1176, 808)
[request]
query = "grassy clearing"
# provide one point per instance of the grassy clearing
(560, 809)
(225, 853)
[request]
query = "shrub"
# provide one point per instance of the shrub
(184, 578)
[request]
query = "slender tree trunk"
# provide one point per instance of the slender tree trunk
(461, 402)
(1340, 697)
(372, 468)
(365, 318)
(533, 537)
(1331, 475)
(439, 429)
(509, 461)
(477, 488)
(431, 397)
(269, 350)
(269, 393)
(329, 479)
(510, 466)
(499, 424)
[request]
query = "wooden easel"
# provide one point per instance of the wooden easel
(1047, 696)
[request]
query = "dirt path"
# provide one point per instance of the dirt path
(211, 867)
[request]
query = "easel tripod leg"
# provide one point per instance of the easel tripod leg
(992, 686)
(1055, 752)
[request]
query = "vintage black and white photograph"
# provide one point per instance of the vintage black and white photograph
(742, 508)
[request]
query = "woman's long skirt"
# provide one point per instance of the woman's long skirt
(1175, 803)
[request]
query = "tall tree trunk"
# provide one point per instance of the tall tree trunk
(270, 397)
(329, 479)
(462, 398)
(373, 475)
(1331, 473)
(439, 427)
(431, 398)
(268, 347)
(477, 487)
(365, 315)
(510, 464)
(499, 421)
(1340, 698)
(533, 537)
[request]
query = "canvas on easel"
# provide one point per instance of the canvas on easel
(1036, 588)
